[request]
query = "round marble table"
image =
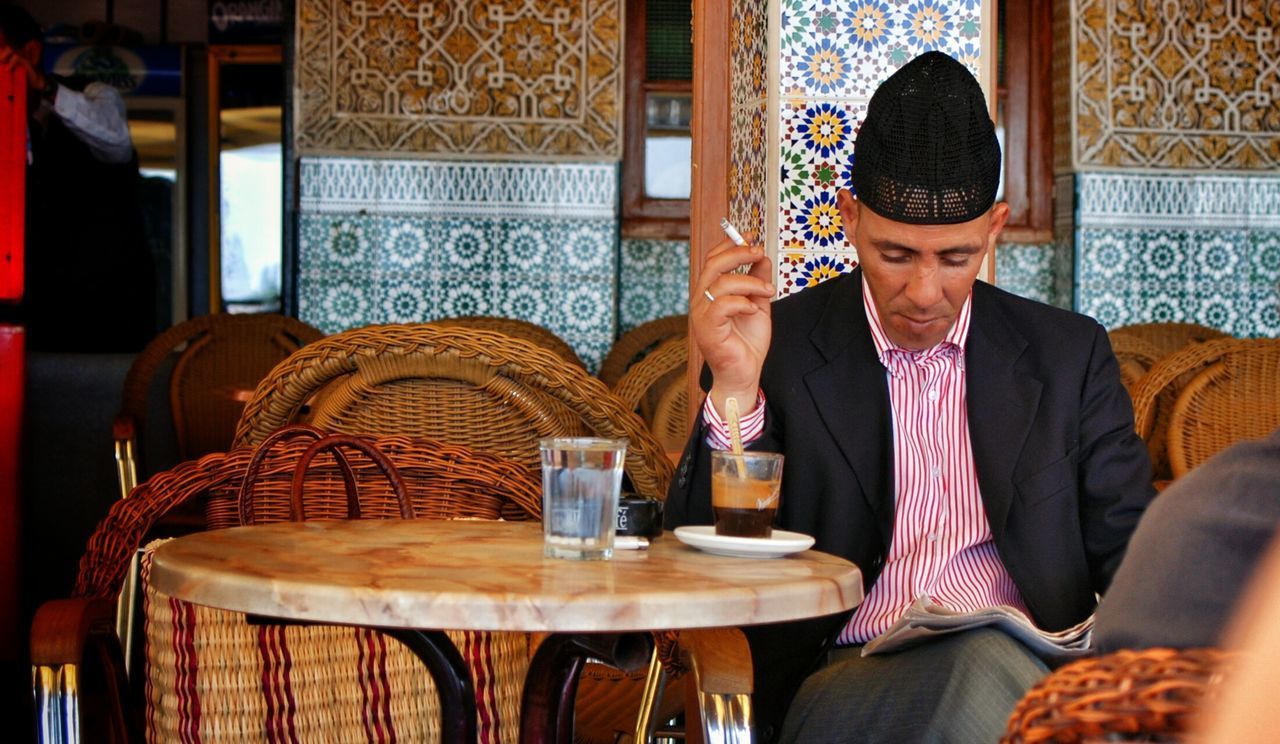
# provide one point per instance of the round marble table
(480, 575)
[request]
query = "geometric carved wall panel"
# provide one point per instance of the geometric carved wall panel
(501, 79)
(1177, 85)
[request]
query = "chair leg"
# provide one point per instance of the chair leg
(546, 705)
(655, 684)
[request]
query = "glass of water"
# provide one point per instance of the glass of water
(581, 479)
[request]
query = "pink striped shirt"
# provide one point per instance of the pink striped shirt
(942, 544)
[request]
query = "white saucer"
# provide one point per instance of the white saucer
(704, 537)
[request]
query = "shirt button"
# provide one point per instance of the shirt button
(933, 537)
(933, 394)
(936, 472)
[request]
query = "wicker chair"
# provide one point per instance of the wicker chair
(441, 482)
(480, 389)
(1136, 355)
(1234, 396)
(216, 361)
(632, 346)
(651, 387)
(1246, 365)
(520, 329)
(1167, 338)
(1148, 695)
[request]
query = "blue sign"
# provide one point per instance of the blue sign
(134, 71)
(246, 21)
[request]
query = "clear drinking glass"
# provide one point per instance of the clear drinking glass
(581, 480)
(745, 490)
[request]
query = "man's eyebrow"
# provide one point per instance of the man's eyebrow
(890, 245)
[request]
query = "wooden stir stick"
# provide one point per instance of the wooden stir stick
(735, 435)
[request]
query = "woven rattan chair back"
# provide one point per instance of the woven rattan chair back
(636, 343)
(671, 414)
(1234, 396)
(326, 675)
(477, 388)
(1156, 391)
(524, 329)
(1167, 338)
(217, 362)
(1148, 695)
(645, 384)
(1136, 355)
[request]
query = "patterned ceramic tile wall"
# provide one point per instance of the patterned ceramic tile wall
(749, 99)
(653, 281)
(1034, 271)
(1204, 249)
(1186, 85)
(832, 56)
(385, 241)
(507, 78)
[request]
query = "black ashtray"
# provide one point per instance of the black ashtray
(639, 516)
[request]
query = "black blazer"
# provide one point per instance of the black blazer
(1063, 475)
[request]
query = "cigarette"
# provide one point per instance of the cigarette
(630, 542)
(731, 231)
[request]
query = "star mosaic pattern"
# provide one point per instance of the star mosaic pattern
(395, 242)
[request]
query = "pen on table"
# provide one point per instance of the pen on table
(630, 542)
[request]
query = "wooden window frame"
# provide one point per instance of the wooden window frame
(1028, 111)
(643, 216)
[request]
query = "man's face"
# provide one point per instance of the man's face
(919, 275)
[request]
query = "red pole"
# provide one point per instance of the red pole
(12, 370)
(13, 173)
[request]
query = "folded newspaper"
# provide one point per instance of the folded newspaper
(925, 620)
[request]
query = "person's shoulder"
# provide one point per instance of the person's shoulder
(811, 302)
(1034, 319)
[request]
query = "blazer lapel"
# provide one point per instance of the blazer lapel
(852, 398)
(1002, 403)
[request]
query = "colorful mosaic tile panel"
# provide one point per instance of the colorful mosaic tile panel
(508, 78)
(799, 270)
(748, 52)
(1222, 278)
(748, 156)
(844, 49)
(1188, 85)
(816, 145)
(653, 281)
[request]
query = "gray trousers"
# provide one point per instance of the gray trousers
(960, 688)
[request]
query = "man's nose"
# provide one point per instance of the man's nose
(925, 288)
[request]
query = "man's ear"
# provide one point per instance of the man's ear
(848, 206)
(999, 216)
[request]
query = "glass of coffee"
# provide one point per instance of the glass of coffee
(744, 492)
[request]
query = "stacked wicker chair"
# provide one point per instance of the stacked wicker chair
(217, 360)
(482, 389)
(224, 701)
(633, 345)
(1136, 355)
(655, 387)
(518, 328)
(1156, 341)
(1232, 395)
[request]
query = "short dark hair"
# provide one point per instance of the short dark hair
(18, 26)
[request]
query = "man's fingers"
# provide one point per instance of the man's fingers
(739, 284)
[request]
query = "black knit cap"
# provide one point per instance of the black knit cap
(927, 152)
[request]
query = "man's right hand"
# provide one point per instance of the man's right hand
(734, 330)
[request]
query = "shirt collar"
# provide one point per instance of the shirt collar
(955, 339)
